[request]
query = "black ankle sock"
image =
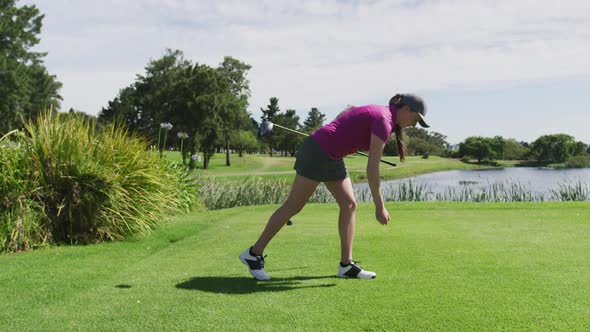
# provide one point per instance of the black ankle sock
(344, 265)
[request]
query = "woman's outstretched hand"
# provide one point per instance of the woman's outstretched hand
(382, 216)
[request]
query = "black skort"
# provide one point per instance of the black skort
(313, 163)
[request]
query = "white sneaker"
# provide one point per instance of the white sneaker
(354, 271)
(255, 265)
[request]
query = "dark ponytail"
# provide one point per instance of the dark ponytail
(401, 144)
(396, 101)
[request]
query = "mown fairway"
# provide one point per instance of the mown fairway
(441, 266)
(282, 167)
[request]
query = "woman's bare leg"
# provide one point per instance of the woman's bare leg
(344, 195)
(301, 190)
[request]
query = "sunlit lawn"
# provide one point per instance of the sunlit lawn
(282, 167)
(441, 266)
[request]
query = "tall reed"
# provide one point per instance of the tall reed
(571, 191)
(220, 194)
(20, 217)
(78, 183)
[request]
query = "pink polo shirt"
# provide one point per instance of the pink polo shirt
(351, 131)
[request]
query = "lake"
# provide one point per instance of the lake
(539, 181)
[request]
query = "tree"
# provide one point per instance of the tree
(579, 149)
(554, 148)
(206, 107)
(84, 116)
(391, 147)
(483, 148)
(271, 110)
(234, 112)
(515, 150)
(498, 147)
(26, 88)
(245, 141)
(314, 120)
(286, 141)
(477, 147)
(43, 89)
(420, 146)
(155, 97)
(124, 109)
(269, 114)
(421, 141)
(206, 103)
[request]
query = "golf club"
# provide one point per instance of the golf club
(267, 126)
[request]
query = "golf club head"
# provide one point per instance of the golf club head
(264, 128)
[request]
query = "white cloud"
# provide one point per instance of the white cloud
(314, 53)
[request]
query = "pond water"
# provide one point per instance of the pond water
(537, 180)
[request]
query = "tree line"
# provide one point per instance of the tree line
(207, 106)
(554, 148)
(207, 103)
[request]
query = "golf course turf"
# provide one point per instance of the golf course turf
(282, 167)
(440, 266)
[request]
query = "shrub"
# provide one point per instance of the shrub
(20, 217)
(578, 162)
(68, 182)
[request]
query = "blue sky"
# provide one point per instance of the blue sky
(518, 69)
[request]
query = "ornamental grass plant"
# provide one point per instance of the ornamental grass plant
(63, 179)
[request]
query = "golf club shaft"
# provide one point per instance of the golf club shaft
(289, 129)
(383, 161)
(361, 153)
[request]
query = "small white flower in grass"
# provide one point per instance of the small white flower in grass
(182, 135)
(194, 157)
(166, 125)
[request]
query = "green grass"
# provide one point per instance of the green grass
(441, 266)
(282, 167)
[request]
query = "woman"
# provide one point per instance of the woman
(320, 159)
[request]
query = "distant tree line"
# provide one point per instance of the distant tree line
(547, 149)
(420, 142)
(207, 103)
(285, 142)
(556, 148)
(207, 106)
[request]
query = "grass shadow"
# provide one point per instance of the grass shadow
(123, 286)
(247, 285)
